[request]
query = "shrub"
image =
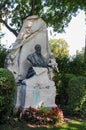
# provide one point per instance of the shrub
(3, 54)
(77, 96)
(61, 81)
(7, 90)
(78, 65)
(43, 117)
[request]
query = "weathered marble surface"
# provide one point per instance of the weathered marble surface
(33, 32)
(36, 90)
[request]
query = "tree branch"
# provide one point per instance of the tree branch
(9, 28)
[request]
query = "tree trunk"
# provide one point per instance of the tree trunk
(32, 8)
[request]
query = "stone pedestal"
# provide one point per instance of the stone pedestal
(36, 91)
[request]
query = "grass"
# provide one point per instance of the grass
(72, 125)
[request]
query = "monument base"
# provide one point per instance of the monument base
(36, 91)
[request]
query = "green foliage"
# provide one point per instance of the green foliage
(56, 13)
(7, 90)
(73, 125)
(68, 68)
(77, 96)
(59, 47)
(63, 64)
(61, 12)
(78, 65)
(61, 81)
(3, 54)
(74, 65)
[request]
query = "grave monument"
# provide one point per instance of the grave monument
(31, 63)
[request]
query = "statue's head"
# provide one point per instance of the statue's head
(38, 49)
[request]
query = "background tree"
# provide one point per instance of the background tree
(68, 68)
(77, 64)
(56, 13)
(59, 47)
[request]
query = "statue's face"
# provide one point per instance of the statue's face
(38, 49)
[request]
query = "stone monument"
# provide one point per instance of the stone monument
(32, 66)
